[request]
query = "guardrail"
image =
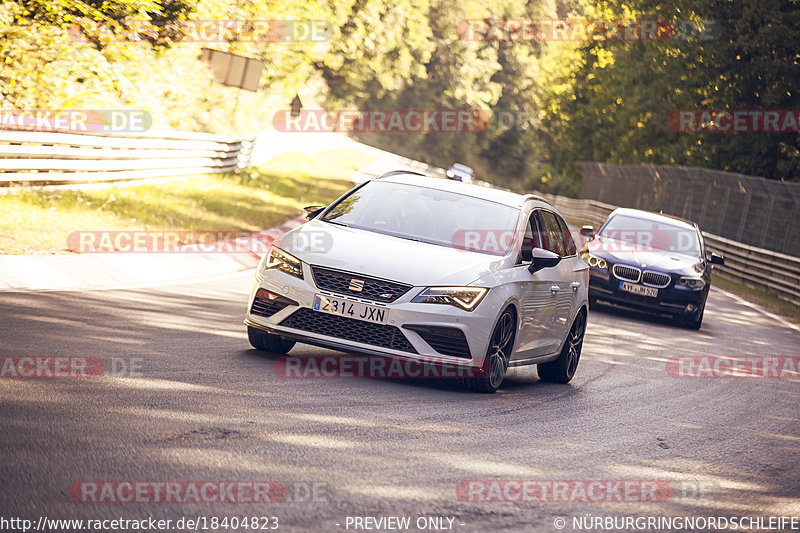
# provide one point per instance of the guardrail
(755, 267)
(53, 158)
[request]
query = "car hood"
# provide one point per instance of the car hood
(660, 260)
(384, 256)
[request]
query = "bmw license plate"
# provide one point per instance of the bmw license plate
(349, 309)
(641, 290)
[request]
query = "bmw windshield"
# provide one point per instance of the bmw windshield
(428, 215)
(645, 234)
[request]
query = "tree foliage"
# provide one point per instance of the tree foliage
(551, 103)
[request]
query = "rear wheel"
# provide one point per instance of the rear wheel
(562, 369)
(495, 364)
(268, 342)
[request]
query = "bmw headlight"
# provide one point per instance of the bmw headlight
(689, 282)
(283, 261)
(466, 298)
(594, 261)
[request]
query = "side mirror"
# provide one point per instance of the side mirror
(313, 210)
(587, 231)
(716, 259)
(543, 259)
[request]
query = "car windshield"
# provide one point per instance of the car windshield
(428, 215)
(643, 234)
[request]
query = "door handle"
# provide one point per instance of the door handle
(554, 289)
(575, 286)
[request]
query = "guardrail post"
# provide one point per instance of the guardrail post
(743, 217)
(788, 236)
(763, 238)
(721, 218)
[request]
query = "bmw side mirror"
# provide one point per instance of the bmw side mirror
(543, 259)
(587, 231)
(313, 210)
(716, 259)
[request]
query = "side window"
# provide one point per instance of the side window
(551, 233)
(569, 242)
(531, 238)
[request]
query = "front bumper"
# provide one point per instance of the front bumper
(417, 331)
(672, 300)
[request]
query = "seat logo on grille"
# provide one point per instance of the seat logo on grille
(356, 285)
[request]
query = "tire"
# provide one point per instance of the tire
(563, 369)
(495, 365)
(261, 340)
(696, 322)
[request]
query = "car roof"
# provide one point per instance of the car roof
(656, 217)
(499, 196)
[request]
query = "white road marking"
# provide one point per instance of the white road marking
(753, 306)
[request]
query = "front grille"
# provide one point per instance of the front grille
(267, 304)
(379, 290)
(627, 273)
(348, 328)
(445, 340)
(655, 279)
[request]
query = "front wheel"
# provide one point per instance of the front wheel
(495, 364)
(562, 369)
(268, 342)
(694, 322)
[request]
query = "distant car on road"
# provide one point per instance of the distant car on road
(652, 262)
(430, 270)
(460, 172)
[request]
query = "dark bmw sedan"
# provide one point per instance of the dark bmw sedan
(651, 262)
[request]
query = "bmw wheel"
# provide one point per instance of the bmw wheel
(562, 369)
(694, 322)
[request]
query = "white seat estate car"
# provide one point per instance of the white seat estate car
(431, 270)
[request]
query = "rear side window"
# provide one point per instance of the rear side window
(569, 242)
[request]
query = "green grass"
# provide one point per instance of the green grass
(38, 221)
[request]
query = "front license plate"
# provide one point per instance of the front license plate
(346, 308)
(638, 289)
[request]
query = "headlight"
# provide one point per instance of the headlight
(692, 283)
(283, 261)
(466, 298)
(594, 261)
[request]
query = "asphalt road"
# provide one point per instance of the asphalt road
(201, 405)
